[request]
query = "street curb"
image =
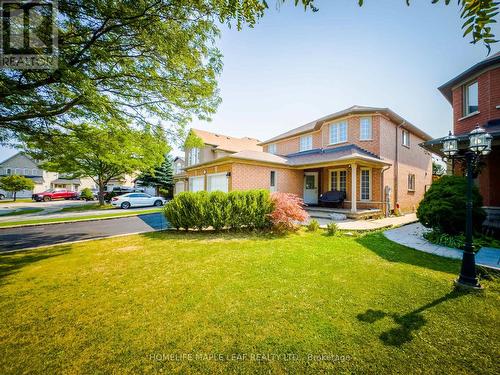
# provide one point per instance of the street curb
(75, 221)
(80, 241)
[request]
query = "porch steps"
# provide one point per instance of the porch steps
(324, 213)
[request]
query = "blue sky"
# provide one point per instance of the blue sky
(296, 66)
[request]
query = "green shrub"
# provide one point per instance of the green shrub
(87, 194)
(234, 210)
(313, 226)
(443, 207)
(332, 229)
(439, 238)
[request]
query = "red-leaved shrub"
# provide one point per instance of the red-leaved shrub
(288, 212)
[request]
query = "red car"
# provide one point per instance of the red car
(54, 194)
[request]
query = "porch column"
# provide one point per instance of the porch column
(353, 187)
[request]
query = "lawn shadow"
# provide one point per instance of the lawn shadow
(394, 252)
(407, 323)
(11, 263)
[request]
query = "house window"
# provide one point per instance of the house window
(338, 132)
(194, 156)
(178, 168)
(338, 180)
(272, 180)
(365, 128)
(17, 171)
(411, 182)
(306, 143)
(26, 172)
(471, 98)
(365, 184)
(8, 171)
(272, 149)
(405, 138)
(35, 172)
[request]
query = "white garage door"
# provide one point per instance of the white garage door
(197, 183)
(218, 182)
(179, 187)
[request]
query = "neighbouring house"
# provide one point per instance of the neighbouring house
(372, 154)
(179, 175)
(475, 98)
(216, 146)
(22, 164)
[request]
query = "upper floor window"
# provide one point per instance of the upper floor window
(272, 149)
(178, 168)
(338, 132)
(471, 98)
(365, 128)
(194, 156)
(405, 138)
(306, 142)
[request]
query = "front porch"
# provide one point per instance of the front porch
(359, 179)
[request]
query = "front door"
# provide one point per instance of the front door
(311, 188)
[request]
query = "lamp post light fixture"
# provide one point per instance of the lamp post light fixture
(479, 144)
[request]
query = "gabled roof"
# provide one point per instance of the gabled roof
(20, 154)
(356, 109)
(301, 159)
(485, 64)
(227, 143)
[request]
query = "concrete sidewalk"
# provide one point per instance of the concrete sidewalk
(362, 225)
(412, 236)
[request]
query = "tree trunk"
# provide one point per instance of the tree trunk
(101, 192)
(15, 195)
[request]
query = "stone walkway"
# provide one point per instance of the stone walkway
(355, 225)
(412, 236)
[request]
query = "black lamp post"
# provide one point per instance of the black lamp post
(479, 144)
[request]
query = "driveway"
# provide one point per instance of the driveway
(27, 237)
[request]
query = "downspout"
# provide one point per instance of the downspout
(396, 166)
(382, 195)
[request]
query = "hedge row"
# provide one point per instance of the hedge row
(234, 210)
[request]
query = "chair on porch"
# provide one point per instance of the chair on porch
(332, 198)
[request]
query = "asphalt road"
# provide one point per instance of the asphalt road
(26, 237)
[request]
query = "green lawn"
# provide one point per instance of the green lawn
(208, 303)
(17, 200)
(22, 212)
(87, 207)
(119, 213)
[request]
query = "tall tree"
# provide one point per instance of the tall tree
(161, 177)
(15, 183)
(128, 61)
(101, 152)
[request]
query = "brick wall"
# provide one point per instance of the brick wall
(321, 138)
(489, 99)
(246, 176)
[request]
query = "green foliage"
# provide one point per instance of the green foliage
(313, 225)
(193, 141)
(443, 206)
(437, 169)
(235, 210)
(15, 183)
(87, 194)
(457, 241)
(102, 152)
(332, 229)
(161, 177)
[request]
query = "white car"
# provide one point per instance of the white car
(137, 200)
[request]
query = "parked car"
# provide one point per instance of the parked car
(52, 194)
(128, 200)
(2, 196)
(120, 190)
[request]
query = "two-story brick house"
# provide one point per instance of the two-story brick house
(475, 98)
(372, 154)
